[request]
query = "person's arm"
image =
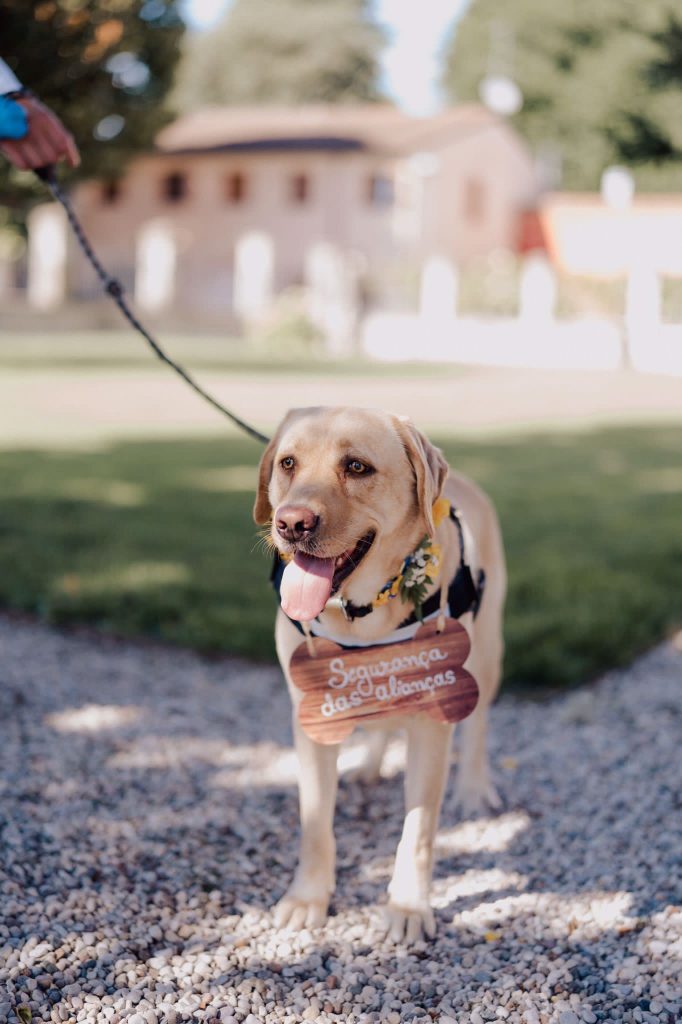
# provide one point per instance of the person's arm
(46, 140)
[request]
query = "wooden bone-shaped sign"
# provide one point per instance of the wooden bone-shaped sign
(344, 687)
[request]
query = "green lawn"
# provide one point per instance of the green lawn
(122, 350)
(155, 539)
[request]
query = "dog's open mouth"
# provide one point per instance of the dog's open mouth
(348, 562)
(308, 582)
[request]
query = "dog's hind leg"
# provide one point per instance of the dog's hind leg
(374, 743)
(475, 791)
(305, 903)
(409, 913)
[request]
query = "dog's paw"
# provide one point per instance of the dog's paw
(408, 924)
(477, 797)
(296, 913)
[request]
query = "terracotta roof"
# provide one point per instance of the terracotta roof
(377, 127)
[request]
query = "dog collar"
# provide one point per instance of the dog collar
(418, 569)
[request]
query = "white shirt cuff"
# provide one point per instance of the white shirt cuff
(8, 80)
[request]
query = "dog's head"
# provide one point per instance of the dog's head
(344, 487)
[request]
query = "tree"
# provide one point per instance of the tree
(600, 81)
(104, 66)
(284, 52)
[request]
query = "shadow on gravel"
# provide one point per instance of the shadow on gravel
(149, 819)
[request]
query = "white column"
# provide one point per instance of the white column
(332, 282)
(254, 273)
(438, 291)
(538, 289)
(643, 312)
(155, 266)
(47, 256)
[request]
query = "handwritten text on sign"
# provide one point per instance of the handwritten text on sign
(345, 687)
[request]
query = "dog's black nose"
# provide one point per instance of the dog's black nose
(294, 522)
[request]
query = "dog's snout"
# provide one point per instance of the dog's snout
(294, 522)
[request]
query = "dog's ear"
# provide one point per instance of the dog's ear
(262, 509)
(429, 466)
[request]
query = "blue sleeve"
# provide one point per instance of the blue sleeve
(13, 120)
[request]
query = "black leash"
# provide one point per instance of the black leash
(114, 289)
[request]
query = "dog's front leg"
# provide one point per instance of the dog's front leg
(306, 901)
(409, 913)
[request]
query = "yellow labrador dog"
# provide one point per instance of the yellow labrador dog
(349, 493)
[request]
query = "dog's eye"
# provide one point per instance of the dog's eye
(356, 467)
(288, 462)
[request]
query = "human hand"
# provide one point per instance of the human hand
(47, 140)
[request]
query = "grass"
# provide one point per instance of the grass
(155, 539)
(41, 351)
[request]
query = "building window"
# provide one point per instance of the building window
(474, 200)
(175, 187)
(380, 191)
(235, 187)
(111, 192)
(299, 188)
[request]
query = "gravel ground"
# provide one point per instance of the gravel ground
(149, 821)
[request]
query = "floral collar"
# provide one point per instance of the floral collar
(419, 569)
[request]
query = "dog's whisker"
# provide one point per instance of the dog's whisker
(259, 544)
(264, 544)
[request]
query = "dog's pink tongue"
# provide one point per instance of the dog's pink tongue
(306, 586)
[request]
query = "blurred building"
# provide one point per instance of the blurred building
(234, 205)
